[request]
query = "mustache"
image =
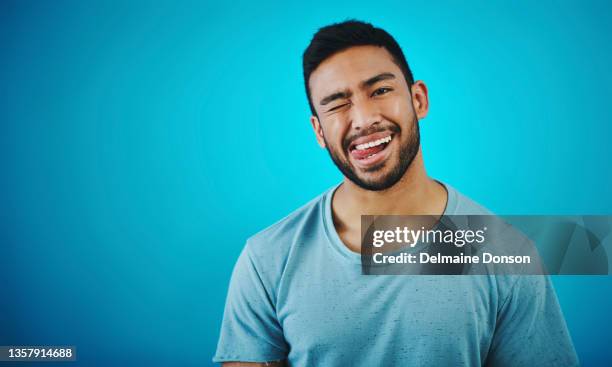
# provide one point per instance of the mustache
(346, 143)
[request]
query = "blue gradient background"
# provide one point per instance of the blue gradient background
(140, 145)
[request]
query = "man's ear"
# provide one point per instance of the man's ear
(316, 125)
(420, 99)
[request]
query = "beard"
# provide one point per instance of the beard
(407, 153)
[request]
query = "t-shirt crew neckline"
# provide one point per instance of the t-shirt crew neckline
(336, 243)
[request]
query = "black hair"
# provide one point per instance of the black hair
(337, 37)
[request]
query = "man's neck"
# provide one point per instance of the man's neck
(414, 193)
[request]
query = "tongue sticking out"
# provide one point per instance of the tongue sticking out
(362, 154)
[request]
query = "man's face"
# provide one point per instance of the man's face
(366, 118)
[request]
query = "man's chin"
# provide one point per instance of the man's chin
(377, 169)
(375, 181)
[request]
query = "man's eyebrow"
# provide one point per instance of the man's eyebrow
(375, 79)
(334, 96)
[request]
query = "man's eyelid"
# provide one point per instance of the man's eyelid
(386, 88)
(339, 106)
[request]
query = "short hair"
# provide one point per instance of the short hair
(338, 37)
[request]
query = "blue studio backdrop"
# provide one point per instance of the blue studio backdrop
(142, 143)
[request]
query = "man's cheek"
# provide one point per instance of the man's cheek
(397, 108)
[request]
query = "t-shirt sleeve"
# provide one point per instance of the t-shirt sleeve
(530, 328)
(250, 331)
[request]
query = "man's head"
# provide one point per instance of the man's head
(365, 105)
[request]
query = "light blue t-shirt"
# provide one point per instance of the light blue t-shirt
(297, 293)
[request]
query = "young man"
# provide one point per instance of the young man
(297, 295)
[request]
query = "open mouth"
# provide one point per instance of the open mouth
(371, 149)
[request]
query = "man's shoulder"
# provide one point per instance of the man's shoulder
(285, 232)
(461, 204)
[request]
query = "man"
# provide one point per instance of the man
(297, 295)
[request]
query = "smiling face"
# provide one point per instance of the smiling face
(365, 115)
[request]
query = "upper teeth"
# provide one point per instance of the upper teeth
(373, 143)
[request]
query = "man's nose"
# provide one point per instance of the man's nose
(365, 113)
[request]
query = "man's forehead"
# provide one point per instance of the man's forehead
(348, 68)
